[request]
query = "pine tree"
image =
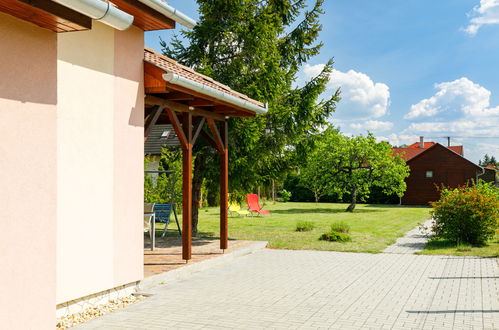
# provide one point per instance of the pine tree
(257, 48)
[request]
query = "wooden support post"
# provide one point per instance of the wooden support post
(224, 186)
(187, 187)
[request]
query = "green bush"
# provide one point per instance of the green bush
(467, 214)
(285, 195)
(340, 227)
(304, 226)
(335, 236)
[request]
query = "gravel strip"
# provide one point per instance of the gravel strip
(95, 312)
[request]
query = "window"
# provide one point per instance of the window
(429, 174)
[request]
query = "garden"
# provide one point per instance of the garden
(371, 227)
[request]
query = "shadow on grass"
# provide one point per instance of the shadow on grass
(391, 206)
(323, 210)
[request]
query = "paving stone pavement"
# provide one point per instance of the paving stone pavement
(413, 241)
(283, 289)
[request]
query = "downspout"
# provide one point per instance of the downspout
(477, 175)
(102, 11)
(164, 8)
(219, 95)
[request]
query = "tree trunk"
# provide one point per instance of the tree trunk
(351, 207)
(197, 183)
(316, 197)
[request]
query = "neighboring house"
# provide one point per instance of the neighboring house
(432, 165)
(489, 174)
(160, 136)
(72, 111)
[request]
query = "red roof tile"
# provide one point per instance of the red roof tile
(413, 150)
(171, 65)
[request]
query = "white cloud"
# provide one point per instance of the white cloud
(486, 13)
(460, 108)
(373, 126)
(459, 95)
(361, 97)
(398, 139)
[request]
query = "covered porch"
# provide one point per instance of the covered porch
(197, 107)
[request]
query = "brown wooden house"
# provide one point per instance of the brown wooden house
(433, 165)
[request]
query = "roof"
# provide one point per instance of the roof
(173, 66)
(414, 149)
(412, 152)
(160, 136)
(490, 167)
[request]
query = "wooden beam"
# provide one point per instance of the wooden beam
(46, 14)
(178, 96)
(216, 135)
(154, 100)
(201, 103)
(145, 17)
(66, 15)
(156, 90)
(178, 129)
(187, 187)
(198, 129)
(152, 122)
(224, 187)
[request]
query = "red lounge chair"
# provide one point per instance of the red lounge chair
(253, 205)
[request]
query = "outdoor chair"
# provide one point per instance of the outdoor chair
(163, 213)
(150, 222)
(235, 208)
(254, 205)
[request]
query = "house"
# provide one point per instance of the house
(432, 165)
(490, 174)
(78, 95)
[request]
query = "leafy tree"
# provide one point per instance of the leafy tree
(488, 160)
(341, 164)
(257, 47)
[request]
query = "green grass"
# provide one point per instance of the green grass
(449, 248)
(372, 227)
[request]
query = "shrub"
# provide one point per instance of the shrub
(304, 226)
(335, 236)
(285, 195)
(467, 214)
(340, 227)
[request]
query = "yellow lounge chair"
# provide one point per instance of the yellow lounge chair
(235, 208)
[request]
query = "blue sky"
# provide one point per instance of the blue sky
(409, 68)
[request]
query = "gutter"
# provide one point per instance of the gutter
(164, 8)
(102, 11)
(175, 79)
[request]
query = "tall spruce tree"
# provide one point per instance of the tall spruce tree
(257, 47)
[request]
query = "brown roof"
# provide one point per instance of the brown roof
(413, 150)
(168, 64)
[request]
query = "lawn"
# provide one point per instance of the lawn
(373, 227)
(448, 248)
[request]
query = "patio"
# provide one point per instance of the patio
(283, 289)
(167, 255)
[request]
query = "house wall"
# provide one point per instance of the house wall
(489, 175)
(100, 160)
(28, 175)
(449, 170)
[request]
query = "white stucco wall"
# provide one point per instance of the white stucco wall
(99, 159)
(28, 175)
